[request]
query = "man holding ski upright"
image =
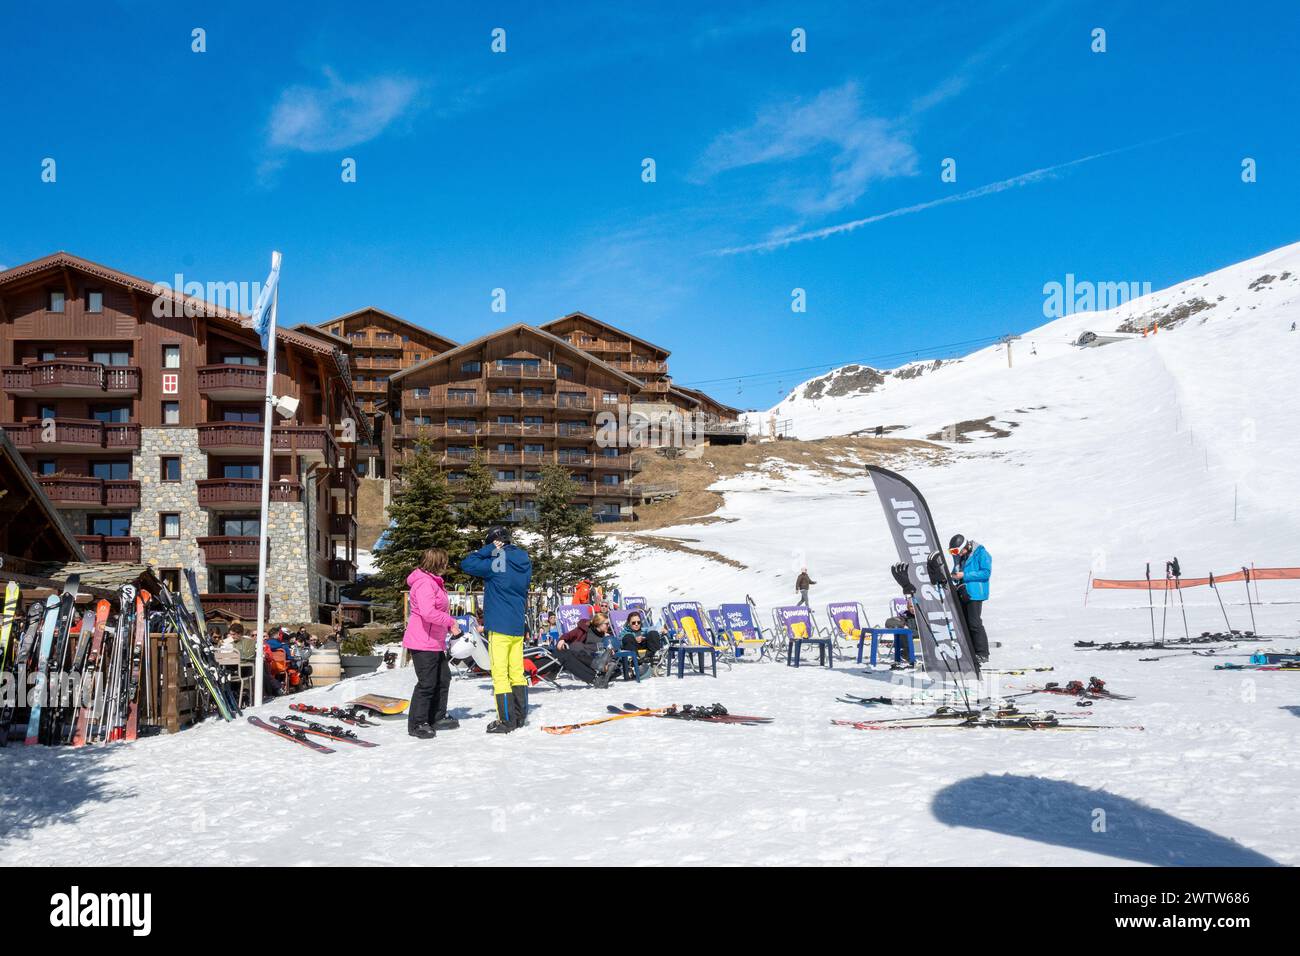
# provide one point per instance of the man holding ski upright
(506, 572)
(972, 567)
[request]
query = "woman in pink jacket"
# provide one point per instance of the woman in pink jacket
(428, 626)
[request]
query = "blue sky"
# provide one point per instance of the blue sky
(522, 170)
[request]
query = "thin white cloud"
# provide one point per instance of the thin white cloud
(1024, 179)
(338, 114)
(863, 149)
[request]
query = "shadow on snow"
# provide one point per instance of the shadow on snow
(1063, 814)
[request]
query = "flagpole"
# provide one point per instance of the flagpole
(263, 539)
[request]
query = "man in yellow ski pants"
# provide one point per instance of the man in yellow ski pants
(506, 572)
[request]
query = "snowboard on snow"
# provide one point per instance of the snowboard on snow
(379, 704)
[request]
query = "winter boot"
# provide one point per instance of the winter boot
(505, 720)
(446, 723)
(519, 693)
(423, 731)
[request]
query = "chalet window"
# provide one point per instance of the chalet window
(417, 356)
(169, 524)
(532, 476)
(94, 302)
(242, 359)
(472, 368)
(233, 469)
(564, 371)
(171, 413)
(504, 474)
(48, 355)
(110, 526)
(117, 359)
(239, 526)
(506, 447)
(611, 398)
(532, 391)
(171, 356)
(456, 476)
(422, 393)
(56, 302)
(111, 470)
(505, 391)
(505, 419)
(535, 449)
(111, 413)
(47, 467)
(421, 419)
(510, 364)
(170, 469)
(462, 424)
(237, 582)
(48, 411)
(609, 479)
(533, 420)
(241, 414)
(609, 452)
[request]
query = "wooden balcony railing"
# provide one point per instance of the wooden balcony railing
(342, 570)
(241, 437)
(243, 606)
(74, 434)
(70, 378)
(240, 492)
(229, 549)
(232, 379)
(85, 492)
(343, 526)
(515, 370)
(100, 547)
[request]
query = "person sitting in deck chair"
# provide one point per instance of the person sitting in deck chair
(643, 641)
(583, 651)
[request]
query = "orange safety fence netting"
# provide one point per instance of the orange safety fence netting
(1161, 584)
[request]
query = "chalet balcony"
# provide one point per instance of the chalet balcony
(574, 461)
(312, 442)
(243, 494)
(232, 383)
(517, 430)
(379, 362)
(74, 435)
(343, 483)
(516, 458)
(514, 487)
(496, 400)
(590, 343)
(229, 549)
(369, 387)
(569, 432)
(644, 366)
(513, 371)
(343, 526)
(71, 379)
(615, 463)
(370, 340)
(412, 430)
(342, 571)
(242, 606)
(99, 547)
(91, 493)
(574, 401)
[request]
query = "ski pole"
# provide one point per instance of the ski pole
(1164, 611)
(1246, 571)
(1151, 604)
(1221, 607)
(1178, 586)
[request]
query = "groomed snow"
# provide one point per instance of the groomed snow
(1179, 444)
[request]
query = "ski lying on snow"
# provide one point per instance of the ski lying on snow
(1023, 722)
(357, 716)
(297, 736)
(715, 713)
(570, 728)
(1015, 670)
(1094, 690)
(321, 730)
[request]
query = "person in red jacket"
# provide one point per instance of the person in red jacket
(428, 625)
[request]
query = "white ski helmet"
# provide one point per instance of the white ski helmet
(461, 648)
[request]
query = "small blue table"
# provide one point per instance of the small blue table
(875, 633)
(825, 653)
(698, 651)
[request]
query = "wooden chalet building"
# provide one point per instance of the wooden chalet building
(523, 397)
(139, 409)
(380, 344)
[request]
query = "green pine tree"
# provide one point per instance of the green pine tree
(484, 507)
(421, 516)
(565, 550)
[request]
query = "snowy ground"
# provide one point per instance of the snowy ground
(1182, 444)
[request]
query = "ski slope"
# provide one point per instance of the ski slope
(1182, 443)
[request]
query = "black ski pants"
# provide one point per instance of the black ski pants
(577, 663)
(432, 685)
(975, 626)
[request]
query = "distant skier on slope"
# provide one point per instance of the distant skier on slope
(802, 584)
(972, 567)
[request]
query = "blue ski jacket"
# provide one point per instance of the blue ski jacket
(505, 586)
(975, 573)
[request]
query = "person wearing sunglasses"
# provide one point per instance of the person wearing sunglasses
(641, 640)
(972, 568)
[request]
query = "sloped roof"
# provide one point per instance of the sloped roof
(704, 396)
(553, 340)
(605, 325)
(65, 260)
(15, 476)
(397, 319)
